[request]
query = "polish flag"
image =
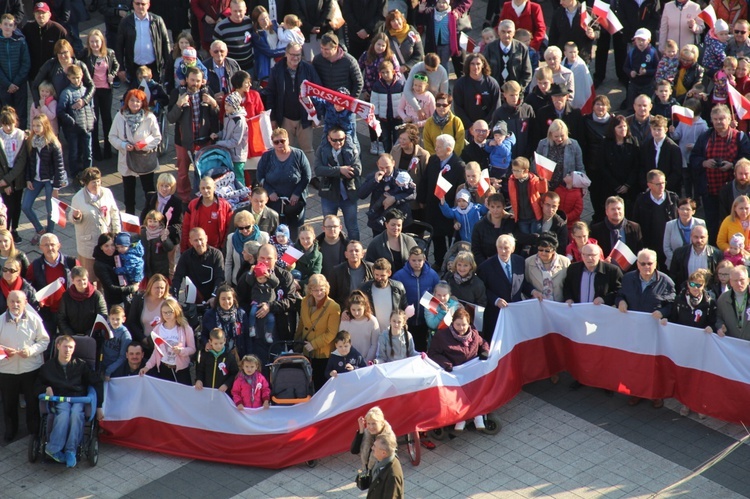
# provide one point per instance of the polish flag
(259, 134)
(585, 17)
(442, 187)
(160, 343)
(191, 292)
(130, 223)
(622, 256)
(709, 16)
(601, 9)
(739, 102)
(50, 295)
(58, 212)
(447, 320)
(545, 167)
(467, 44)
(100, 324)
(683, 114)
(413, 163)
(291, 255)
(484, 183)
(429, 302)
(3, 355)
(611, 23)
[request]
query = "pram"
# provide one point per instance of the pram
(86, 349)
(213, 161)
(161, 118)
(422, 234)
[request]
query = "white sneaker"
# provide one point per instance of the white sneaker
(381, 148)
(251, 333)
(479, 422)
(373, 148)
(269, 337)
(460, 426)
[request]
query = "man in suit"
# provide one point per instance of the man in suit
(563, 29)
(505, 281)
(509, 58)
(616, 227)
(653, 209)
(737, 187)
(696, 255)
(592, 280)
(661, 153)
(729, 321)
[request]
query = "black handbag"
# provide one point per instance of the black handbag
(142, 162)
(363, 480)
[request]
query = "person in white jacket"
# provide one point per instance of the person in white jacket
(679, 22)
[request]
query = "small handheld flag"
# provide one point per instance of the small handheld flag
(484, 183)
(622, 256)
(442, 187)
(130, 223)
(51, 294)
(58, 212)
(100, 324)
(291, 255)
(545, 167)
(429, 302)
(160, 343)
(683, 114)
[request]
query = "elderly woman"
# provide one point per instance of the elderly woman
(12, 280)
(443, 121)
(476, 94)
(596, 124)
(568, 158)
(134, 129)
(404, 40)
(245, 230)
(463, 280)
(546, 270)
(228, 316)
(370, 426)
(144, 313)
(457, 345)
(317, 327)
(387, 476)
(24, 341)
(104, 269)
(172, 361)
(409, 155)
(94, 212)
(560, 74)
(264, 40)
(690, 73)
(80, 305)
(54, 71)
(677, 231)
(619, 171)
(738, 222)
(391, 244)
(285, 173)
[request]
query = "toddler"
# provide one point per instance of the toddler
(499, 149)
(130, 257)
(263, 282)
(345, 358)
(736, 252)
(525, 198)
(250, 387)
(488, 36)
(396, 342)
(401, 186)
(281, 240)
(157, 244)
(466, 214)
(524, 36)
(715, 48)
(386, 94)
(47, 105)
(115, 348)
(217, 367)
(426, 100)
(288, 32)
(234, 136)
(189, 59)
(154, 91)
(340, 116)
(722, 79)
(669, 64)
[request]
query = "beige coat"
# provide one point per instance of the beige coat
(120, 136)
(97, 218)
(535, 278)
(28, 333)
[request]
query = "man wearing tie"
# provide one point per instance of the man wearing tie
(505, 281)
(509, 58)
(615, 227)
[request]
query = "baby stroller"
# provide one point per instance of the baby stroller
(160, 111)
(86, 349)
(422, 234)
(213, 161)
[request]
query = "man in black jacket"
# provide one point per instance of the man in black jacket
(592, 280)
(560, 108)
(616, 227)
(509, 58)
(474, 150)
(134, 362)
(563, 29)
(336, 67)
(133, 51)
(690, 257)
(652, 210)
(351, 274)
(220, 70)
(659, 152)
(41, 37)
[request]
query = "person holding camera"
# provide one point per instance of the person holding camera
(195, 114)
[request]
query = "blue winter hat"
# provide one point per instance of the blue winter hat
(282, 230)
(122, 239)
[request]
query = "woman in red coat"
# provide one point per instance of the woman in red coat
(526, 15)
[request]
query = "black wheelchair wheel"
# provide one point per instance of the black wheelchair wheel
(413, 445)
(492, 425)
(164, 129)
(34, 448)
(439, 433)
(311, 464)
(93, 450)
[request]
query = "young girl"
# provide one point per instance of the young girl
(426, 101)
(715, 48)
(442, 292)
(669, 65)
(440, 34)
(488, 36)
(234, 136)
(13, 155)
(387, 91)
(45, 170)
(251, 388)
(242, 83)
(721, 283)
(736, 252)
(157, 244)
(359, 320)
(47, 104)
(722, 79)
(172, 360)
(369, 62)
(103, 67)
(396, 342)
(579, 235)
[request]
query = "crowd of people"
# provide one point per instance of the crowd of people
(500, 164)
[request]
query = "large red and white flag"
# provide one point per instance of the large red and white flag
(160, 344)
(429, 302)
(100, 324)
(622, 256)
(739, 102)
(545, 167)
(291, 255)
(442, 187)
(683, 114)
(51, 294)
(58, 212)
(130, 223)
(484, 183)
(709, 16)
(585, 17)
(259, 134)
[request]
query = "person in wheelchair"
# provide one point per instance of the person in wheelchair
(67, 376)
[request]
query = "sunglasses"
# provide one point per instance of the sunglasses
(336, 140)
(279, 141)
(738, 32)
(695, 285)
(544, 250)
(10, 271)
(442, 105)
(247, 227)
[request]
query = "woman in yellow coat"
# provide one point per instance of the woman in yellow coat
(737, 222)
(318, 324)
(443, 121)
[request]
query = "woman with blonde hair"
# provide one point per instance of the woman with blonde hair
(103, 67)
(464, 283)
(144, 313)
(8, 250)
(318, 324)
(172, 360)
(245, 229)
(370, 426)
(738, 222)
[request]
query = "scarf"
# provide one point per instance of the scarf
(161, 202)
(38, 142)
(439, 16)
(694, 301)
(463, 339)
(401, 34)
(460, 280)
(238, 240)
(380, 466)
(7, 288)
(364, 110)
(548, 287)
(251, 380)
(227, 316)
(603, 119)
(78, 296)
(152, 234)
(219, 353)
(100, 256)
(134, 120)
(441, 121)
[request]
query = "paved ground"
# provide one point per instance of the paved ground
(554, 443)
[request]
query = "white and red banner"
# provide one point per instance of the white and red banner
(58, 212)
(442, 186)
(130, 223)
(259, 134)
(600, 346)
(363, 109)
(291, 255)
(545, 167)
(709, 16)
(622, 256)
(51, 294)
(739, 102)
(683, 114)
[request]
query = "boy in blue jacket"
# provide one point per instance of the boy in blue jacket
(500, 148)
(640, 66)
(335, 115)
(466, 214)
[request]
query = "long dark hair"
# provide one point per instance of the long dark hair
(616, 121)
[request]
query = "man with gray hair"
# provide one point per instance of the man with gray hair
(234, 31)
(508, 58)
(732, 307)
(220, 70)
(446, 164)
(387, 475)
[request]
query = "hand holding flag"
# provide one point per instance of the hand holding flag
(442, 187)
(160, 343)
(3, 353)
(291, 255)
(484, 183)
(50, 295)
(683, 114)
(430, 302)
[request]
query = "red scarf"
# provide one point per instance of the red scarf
(78, 296)
(7, 288)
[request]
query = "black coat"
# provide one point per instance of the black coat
(485, 234)
(572, 117)
(607, 282)
(670, 163)
(521, 121)
(519, 63)
(726, 199)
(474, 152)
(125, 46)
(498, 286)
(184, 135)
(702, 316)
(41, 42)
(426, 192)
(214, 82)
(678, 268)
(560, 31)
(341, 283)
(620, 167)
(78, 317)
(104, 269)
(70, 382)
(276, 90)
(633, 237)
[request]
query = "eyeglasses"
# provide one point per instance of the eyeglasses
(722, 274)
(279, 141)
(336, 140)
(6, 270)
(167, 312)
(695, 285)
(646, 264)
(248, 227)
(545, 250)
(738, 32)
(481, 130)
(442, 105)
(294, 55)
(143, 4)
(421, 77)
(589, 255)
(331, 226)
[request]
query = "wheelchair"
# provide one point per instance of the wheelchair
(161, 118)
(88, 447)
(492, 426)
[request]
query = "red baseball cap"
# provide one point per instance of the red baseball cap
(41, 7)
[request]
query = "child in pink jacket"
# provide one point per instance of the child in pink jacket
(251, 388)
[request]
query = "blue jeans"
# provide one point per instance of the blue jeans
(67, 428)
(529, 226)
(267, 323)
(79, 150)
(348, 208)
(27, 205)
